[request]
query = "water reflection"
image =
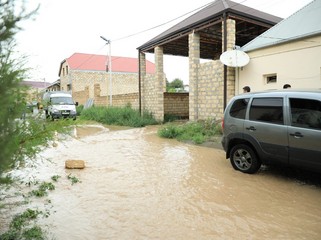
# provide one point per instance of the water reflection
(139, 186)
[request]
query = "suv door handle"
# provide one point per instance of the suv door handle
(296, 135)
(251, 128)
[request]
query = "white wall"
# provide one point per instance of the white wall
(297, 63)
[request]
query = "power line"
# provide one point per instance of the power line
(162, 24)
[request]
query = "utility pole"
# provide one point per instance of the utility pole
(110, 71)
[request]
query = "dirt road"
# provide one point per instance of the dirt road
(139, 186)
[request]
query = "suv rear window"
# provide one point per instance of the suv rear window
(305, 113)
(267, 110)
(238, 108)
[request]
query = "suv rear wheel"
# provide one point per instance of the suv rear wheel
(244, 159)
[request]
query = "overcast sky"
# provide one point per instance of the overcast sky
(63, 27)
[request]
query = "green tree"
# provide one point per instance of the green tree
(12, 72)
(175, 84)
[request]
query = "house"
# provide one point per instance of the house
(55, 86)
(88, 76)
(288, 53)
(216, 28)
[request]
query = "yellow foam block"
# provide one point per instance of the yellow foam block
(75, 164)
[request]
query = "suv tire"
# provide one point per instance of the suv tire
(244, 159)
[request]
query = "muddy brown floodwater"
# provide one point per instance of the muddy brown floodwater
(139, 186)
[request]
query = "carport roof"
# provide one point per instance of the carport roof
(207, 22)
(305, 22)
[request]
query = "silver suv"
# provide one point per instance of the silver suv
(282, 127)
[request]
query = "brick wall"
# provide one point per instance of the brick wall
(210, 90)
(153, 86)
(206, 81)
(230, 70)
(123, 100)
(119, 100)
(86, 82)
(81, 96)
(176, 104)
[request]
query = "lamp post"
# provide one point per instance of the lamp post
(110, 71)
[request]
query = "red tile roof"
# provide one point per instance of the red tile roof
(82, 61)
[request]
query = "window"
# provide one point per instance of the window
(67, 70)
(270, 78)
(267, 110)
(68, 87)
(305, 113)
(238, 108)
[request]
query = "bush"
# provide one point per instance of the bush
(79, 109)
(12, 73)
(170, 131)
(198, 132)
(125, 116)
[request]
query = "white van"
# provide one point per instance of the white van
(59, 105)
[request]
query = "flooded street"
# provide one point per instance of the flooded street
(138, 186)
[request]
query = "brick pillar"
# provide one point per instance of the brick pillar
(194, 64)
(142, 79)
(159, 84)
(230, 45)
(97, 90)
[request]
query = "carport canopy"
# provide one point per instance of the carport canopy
(207, 22)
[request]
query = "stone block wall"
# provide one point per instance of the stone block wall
(206, 81)
(176, 104)
(153, 86)
(122, 100)
(231, 28)
(194, 65)
(122, 83)
(149, 94)
(99, 100)
(81, 96)
(210, 90)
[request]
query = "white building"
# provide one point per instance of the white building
(288, 53)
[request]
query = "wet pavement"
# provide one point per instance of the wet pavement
(139, 186)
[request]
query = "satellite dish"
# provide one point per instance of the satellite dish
(234, 58)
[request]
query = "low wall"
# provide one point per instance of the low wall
(122, 100)
(176, 104)
(81, 96)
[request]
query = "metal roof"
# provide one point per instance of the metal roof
(305, 22)
(208, 23)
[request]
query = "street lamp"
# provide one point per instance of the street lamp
(110, 73)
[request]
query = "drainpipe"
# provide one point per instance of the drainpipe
(139, 84)
(225, 67)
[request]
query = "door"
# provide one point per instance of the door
(265, 124)
(305, 133)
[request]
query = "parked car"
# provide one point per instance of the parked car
(275, 127)
(59, 105)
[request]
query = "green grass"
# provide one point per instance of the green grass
(43, 189)
(18, 228)
(79, 109)
(55, 178)
(197, 132)
(121, 116)
(35, 233)
(73, 179)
